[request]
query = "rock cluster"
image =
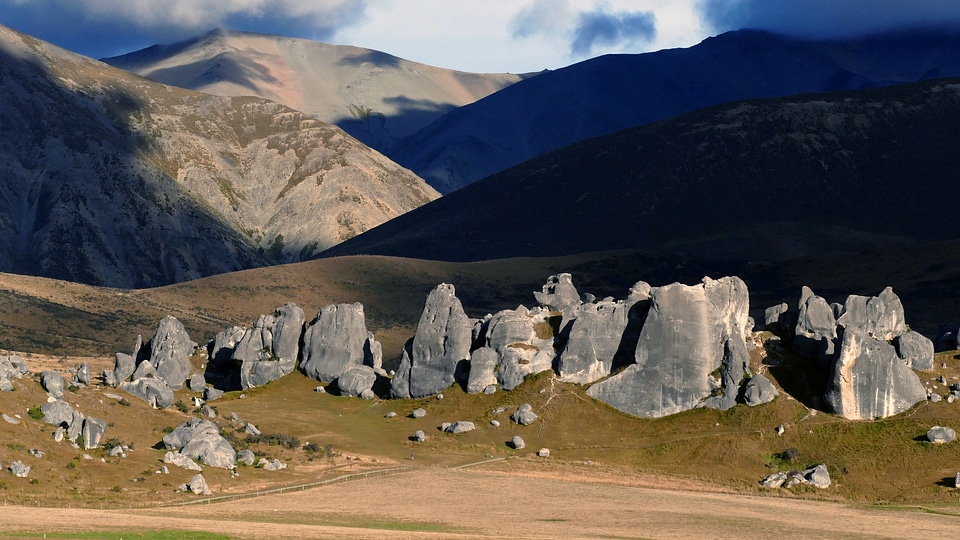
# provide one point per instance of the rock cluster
(200, 440)
(11, 367)
(157, 368)
(817, 476)
(73, 425)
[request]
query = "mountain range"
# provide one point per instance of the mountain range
(112, 179)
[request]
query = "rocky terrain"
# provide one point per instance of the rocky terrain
(377, 98)
(149, 184)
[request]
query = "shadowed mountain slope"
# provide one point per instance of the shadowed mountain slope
(376, 97)
(111, 179)
(757, 180)
(614, 92)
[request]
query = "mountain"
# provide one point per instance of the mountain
(376, 97)
(111, 179)
(614, 92)
(750, 181)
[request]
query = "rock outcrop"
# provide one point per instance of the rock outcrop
(759, 390)
(880, 317)
(523, 341)
(246, 358)
(52, 383)
(170, 350)
(815, 334)
(558, 293)
(869, 381)
(443, 340)
(200, 440)
(93, 431)
(524, 415)
(356, 380)
(153, 391)
(915, 349)
(941, 435)
(336, 341)
(11, 367)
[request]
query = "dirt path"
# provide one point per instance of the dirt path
(472, 503)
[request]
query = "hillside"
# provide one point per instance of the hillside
(111, 179)
(375, 97)
(751, 181)
(614, 92)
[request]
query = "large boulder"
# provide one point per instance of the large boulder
(731, 301)
(335, 342)
(558, 293)
(186, 431)
(153, 391)
(483, 369)
(880, 317)
(12, 367)
(270, 349)
(170, 351)
(200, 440)
(603, 337)
(523, 340)
(759, 390)
(355, 380)
(915, 349)
(196, 485)
(815, 334)
(524, 415)
(868, 380)
(57, 413)
(93, 430)
(180, 460)
(145, 370)
(679, 348)
(52, 382)
(443, 340)
(941, 435)
(776, 318)
(123, 367)
(82, 375)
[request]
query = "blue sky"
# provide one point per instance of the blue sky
(470, 35)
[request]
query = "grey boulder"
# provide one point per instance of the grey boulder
(197, 485)
(483, 365)
(517, 442)
(186, 432)
(356, 380)
(759, 390)
(419, 436)
(211, 449)
(815, 334)
(247, 457)
(145, 370)
(941, 434)
(52, 382)
(335, 342)
(880, 317)
(915, 349)
(867, 380)
(19, 469)
(443, 340)
(57, 413)
(180, 460)
(270, 349)
(170, 350)
(93, 430)
(558, 293)
(82, 376)
(153, 391)
(197, 382)
(523, 341)
(524, 415)
(776, 317)
(460, 426)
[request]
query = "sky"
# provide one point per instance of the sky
(514, 36)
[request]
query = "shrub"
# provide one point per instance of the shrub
(35, 412)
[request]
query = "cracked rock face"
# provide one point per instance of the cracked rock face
(170, 351)
(335, 342)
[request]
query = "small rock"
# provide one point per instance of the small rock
(391, 414)
(817, 476)
(246, 457)
(524, 415)
(517, 442)
(420, 436)
(780, 429)
(19, 469)
(367, 393)
(197, 485)
(498, 410)
(419, 413)
(251, 429)
(460, 426)
(86, 456)
(439, 396)
(941, 435)
(274, 465)
(951, 398)
(934, 398)
(320, 390)
(494, 423)
(35, 453)
(164, 470)
(59, 433)
(210, 393)
(942, 380)
(490, 389)
(544, 452)
(115, 451)
(10, 420)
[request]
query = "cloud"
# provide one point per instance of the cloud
(585, 30)
(828, 18)
(611, 29)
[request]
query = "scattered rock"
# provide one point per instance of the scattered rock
(491, 389)
(197, 382)
(935, 398)
(915, 349)
(419, 413)
(544, 452)
(818, 476)
(19, 469)
(10, 419)
(36, 453)
(170, 350)
(153, 391)
(82, 375)
(200, 440)
(57, 413)
(419, 436)
(460, 426)
(320, 390)
(355, 380)
(367, 394)
(495, 423)
(483, 365)
(251, 429)
(211, 394)
(123, 368)
(196, 485)
(941, 435)
(246, 457)
(780, 429)
(52, 382)
(268, 465)
(815, 333)
(93, 430)
(391, 414)
(517, 442)
(524, 415)
(775, 318)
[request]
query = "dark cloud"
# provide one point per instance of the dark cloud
(600, 28)
(828, 18)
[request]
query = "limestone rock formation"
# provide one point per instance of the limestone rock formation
(524, 415)
(197, 382)
(941, 435)
(123, 367)
(57, 413)
(880, 317)
(180, 460)
(518, 443)
(915, 349)
(603, 336)
(483, 365)
(356, 380)
(776, 317)
(443, 340)
(689, 333)
(19, 469)
(335, 342)
(196, 485)
(153, 391)
(52, 382)
(82, 375)
(247, 457)
(419, 435)
(558, 293)
(460, 426)
(200, 440)
(170, 350)
(11, 367)
(868, 380)
(815, 333)
(759, 390)
(93, 431)
(523, 341)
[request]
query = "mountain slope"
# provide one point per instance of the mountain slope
(757, 180)
(610, 93)
(111, 179)
(376, 97)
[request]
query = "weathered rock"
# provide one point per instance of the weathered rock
(197, 382)
(250, 429)
(523, 340)
(267, 351)
(419, 436)
(524, 415)
(186, 432)
(373, 354)
(19, 469)
(941, 434)
(368, 394)
(558, 293)
(915, 349)
(543, 452)
(680, 345)
(603, 337)
(123, 367)
(460, 426)
(211, 394)
(209, 412)
(75, 427)
(246, 457)
(13, 367)
(6, 385)
(334, 342)
(57, 413)
(419, 412)
(271, 465)
(52, 382)
(170, 351)
(180, 460)
(153, 391)
(483, 365)
(868, 380)
(82, 375)
(443, 340)
(197, 485)
(9, 419)
(518, 443)
(935, 398)
(880, 317)
(759, 390)
(818, 476)
(93, 431)
(815, 334)
(355, 380)
(59, 434)
(211, 449)
(145, 371)
(776, 318)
